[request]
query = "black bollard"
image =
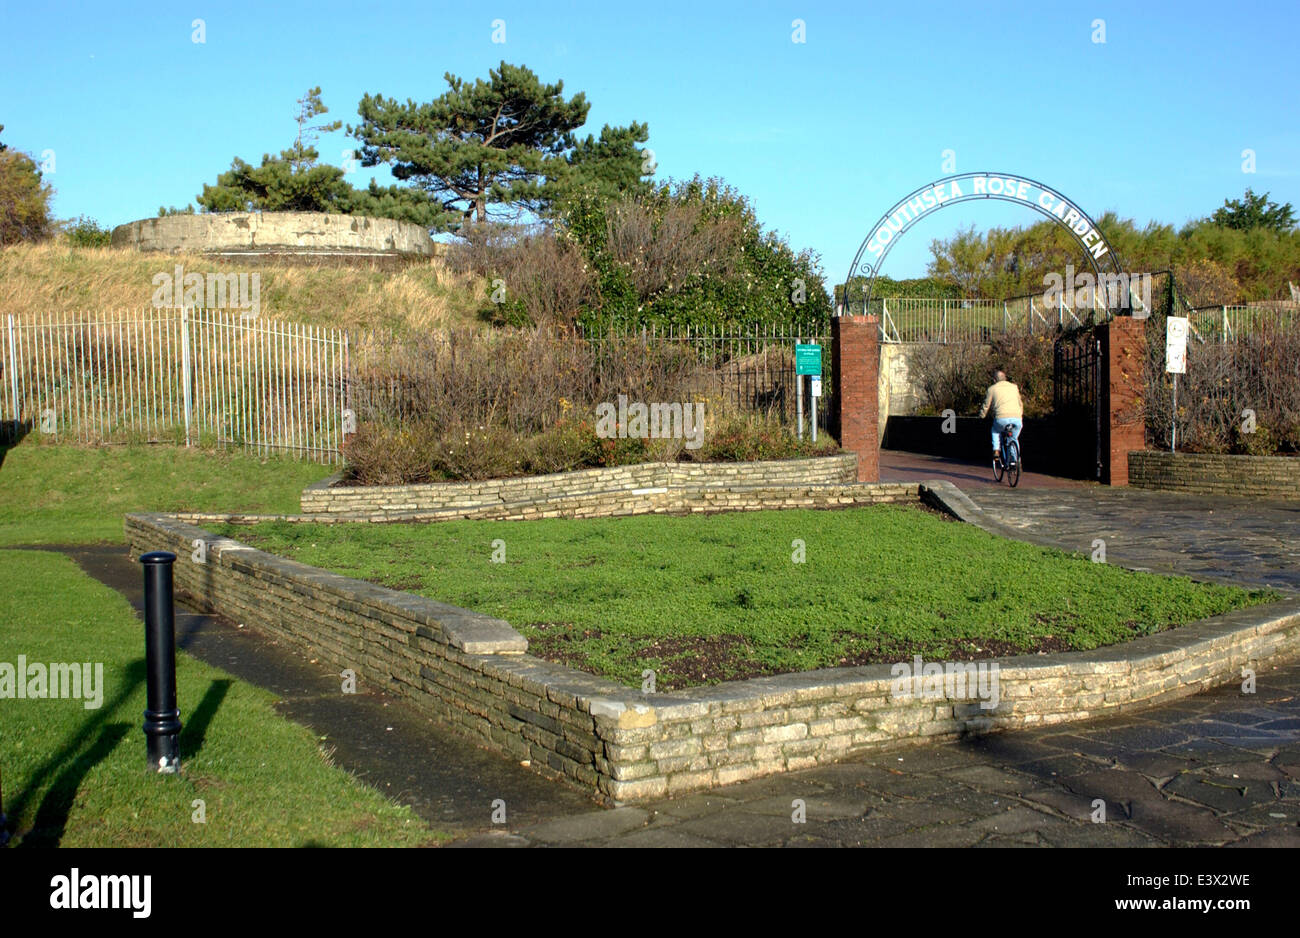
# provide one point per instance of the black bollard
(162, 719)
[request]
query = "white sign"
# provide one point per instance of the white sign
(1176, 345)
(816, 386)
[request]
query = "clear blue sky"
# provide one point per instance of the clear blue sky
(823, 136)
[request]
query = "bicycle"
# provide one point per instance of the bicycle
(1009, 464)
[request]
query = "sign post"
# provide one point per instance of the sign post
(808, 361)
(1175, 364)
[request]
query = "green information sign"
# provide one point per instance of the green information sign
(808, 360)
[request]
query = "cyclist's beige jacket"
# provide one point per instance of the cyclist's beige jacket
(1003, 400)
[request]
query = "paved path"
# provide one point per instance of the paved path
(1222, 767)
(1243, 541)
(971, 478)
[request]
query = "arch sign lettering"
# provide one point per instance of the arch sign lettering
(969, 187)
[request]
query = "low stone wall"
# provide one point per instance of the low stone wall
(1211, 474)
(621, 487)
(472, 672)
(619, 503)
(310, 233)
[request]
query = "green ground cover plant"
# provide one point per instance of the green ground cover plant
(707, 598)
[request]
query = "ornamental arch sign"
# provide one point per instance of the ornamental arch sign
(970, 187)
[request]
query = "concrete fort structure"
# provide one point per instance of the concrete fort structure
(303, 234)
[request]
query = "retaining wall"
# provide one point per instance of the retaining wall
(472, 672)
(1213, 474)
(620, 489)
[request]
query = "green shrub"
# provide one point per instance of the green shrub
(86, 233)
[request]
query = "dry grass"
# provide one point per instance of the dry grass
(55, 277)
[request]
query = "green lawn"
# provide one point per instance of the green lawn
(73, 776)
(702, 599)
(64, 494)
(76, 777)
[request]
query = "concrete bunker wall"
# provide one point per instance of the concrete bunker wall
(305, 233)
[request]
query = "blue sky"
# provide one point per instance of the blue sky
(823, 135)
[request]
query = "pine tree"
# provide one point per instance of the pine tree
(505, 142)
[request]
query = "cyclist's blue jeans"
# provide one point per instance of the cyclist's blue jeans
(1000, 424)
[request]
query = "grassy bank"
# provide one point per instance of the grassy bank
(64, 494)
(55, 277)
(702, 599)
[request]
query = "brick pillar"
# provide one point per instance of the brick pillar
(855, 361)
(1123, 388)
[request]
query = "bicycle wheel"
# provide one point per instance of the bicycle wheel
(1013, 463)
(997, 469)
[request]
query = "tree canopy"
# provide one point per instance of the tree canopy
(1254, 211)
(24, 199)
(296, 181)
(506, 143)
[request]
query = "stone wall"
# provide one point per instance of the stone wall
(588, 492)
(301, 233)
(1211, 474)
(472, 672)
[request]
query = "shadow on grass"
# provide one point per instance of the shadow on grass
(94, 728)
(11, 434)
(196, 727)
(52, 816)
(71, 765)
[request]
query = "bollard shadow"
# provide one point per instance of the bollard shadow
(11, 434)
(133, 677)
(52, 815)
(196, 728)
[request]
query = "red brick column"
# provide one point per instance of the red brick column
(855, 361)
(1123, 389)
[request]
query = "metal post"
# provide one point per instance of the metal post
(1173, 421)
(798, 397)
(185, 369)
(162, 723)
(13, 372)
(813, 402)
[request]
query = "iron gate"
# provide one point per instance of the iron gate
(1076, 401)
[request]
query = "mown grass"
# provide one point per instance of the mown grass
(64, 494)
(76, 777)
(702, 599)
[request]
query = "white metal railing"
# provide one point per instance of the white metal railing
(178, 374)
(1229, 323)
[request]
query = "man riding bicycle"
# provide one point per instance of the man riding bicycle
(1003, 403)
